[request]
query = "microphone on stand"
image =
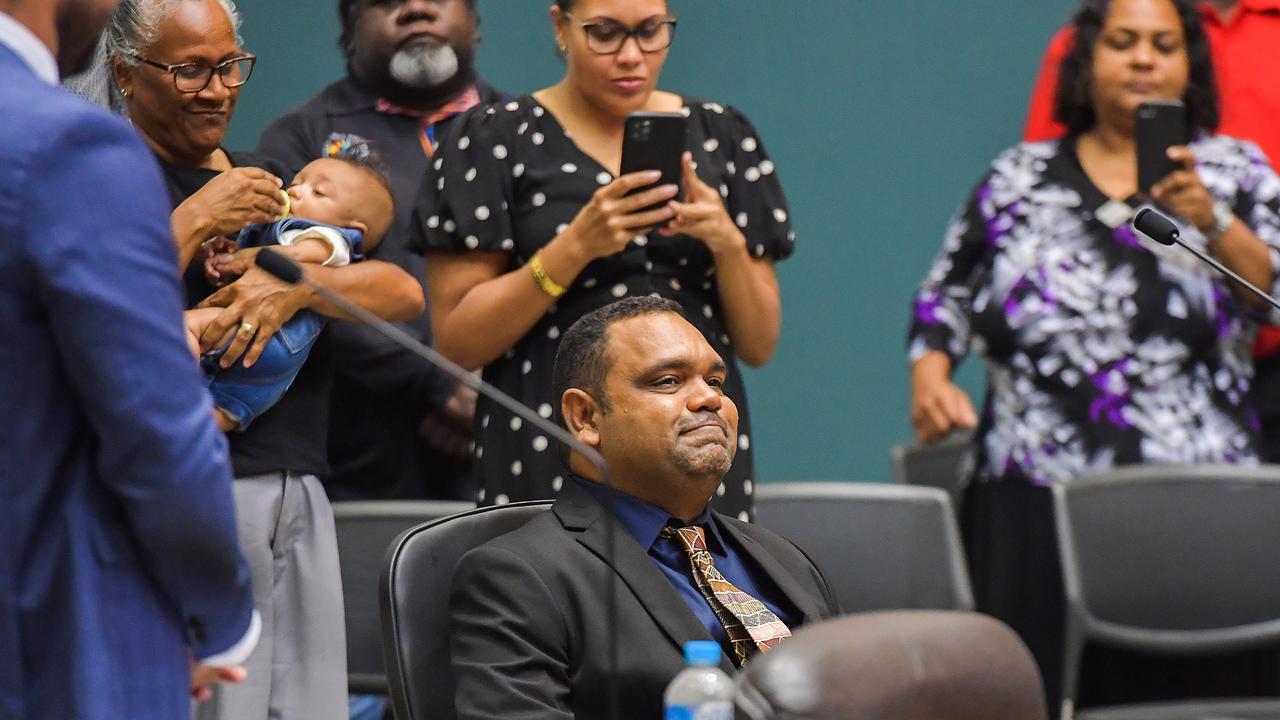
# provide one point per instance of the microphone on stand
(286, 270)
(1162, 230)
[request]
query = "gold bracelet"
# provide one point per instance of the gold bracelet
(549, 286)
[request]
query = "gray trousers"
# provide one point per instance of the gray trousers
(299, 669)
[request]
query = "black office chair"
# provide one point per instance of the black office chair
(880, 546)
(1170, 560)
(365, 531)
(904, 665)
(946, 464)
(414, 593)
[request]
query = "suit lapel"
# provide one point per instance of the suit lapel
(582, 515)
(803, 600)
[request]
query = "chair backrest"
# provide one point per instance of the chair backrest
(365, 531)
(1167, 559)
(880, 546)
(904, 665)
(414, 593)
(945, 464)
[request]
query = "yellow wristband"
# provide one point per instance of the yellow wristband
(548, 285)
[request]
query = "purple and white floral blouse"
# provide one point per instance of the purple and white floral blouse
(1102, 347)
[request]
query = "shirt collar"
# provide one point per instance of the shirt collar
(644, 520)
(15, 36)
(460, 103)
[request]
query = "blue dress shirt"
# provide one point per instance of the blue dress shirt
(644, 521)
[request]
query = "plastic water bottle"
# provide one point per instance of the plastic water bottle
(701, 691)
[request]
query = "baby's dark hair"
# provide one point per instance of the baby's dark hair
(361, 154)
(370, 161)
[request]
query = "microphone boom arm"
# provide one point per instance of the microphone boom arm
(288, 271)
(1213, 262)
(463, 376)
(1164, 231)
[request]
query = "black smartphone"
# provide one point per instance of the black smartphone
(1160, 126)
(654, 141)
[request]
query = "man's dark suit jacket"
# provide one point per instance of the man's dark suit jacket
(529, 635)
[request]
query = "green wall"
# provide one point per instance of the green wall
(880, 115)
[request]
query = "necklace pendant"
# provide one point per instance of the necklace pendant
(1113, 213)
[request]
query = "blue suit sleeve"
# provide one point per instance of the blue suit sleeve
(108, 273)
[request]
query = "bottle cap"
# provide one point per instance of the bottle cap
(702, 652)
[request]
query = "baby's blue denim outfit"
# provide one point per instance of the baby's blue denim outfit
(245, 393)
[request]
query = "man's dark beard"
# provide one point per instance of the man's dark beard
(379, 81)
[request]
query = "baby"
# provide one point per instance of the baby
(337, 209)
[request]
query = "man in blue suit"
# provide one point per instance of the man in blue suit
(121, 582)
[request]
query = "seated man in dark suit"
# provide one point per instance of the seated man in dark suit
(530, 636)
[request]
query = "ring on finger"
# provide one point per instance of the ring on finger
(247, 328)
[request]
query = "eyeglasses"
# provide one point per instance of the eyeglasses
(193, 77)
(606, 37)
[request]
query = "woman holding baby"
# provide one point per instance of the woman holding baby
(179, 67)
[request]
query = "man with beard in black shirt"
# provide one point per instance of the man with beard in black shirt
(404, 427)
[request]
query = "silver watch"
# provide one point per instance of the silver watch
(1222, 219)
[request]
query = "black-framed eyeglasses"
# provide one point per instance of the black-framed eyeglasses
(193, 77)
(606, 37)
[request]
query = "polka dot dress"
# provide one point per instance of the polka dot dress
(510, 179)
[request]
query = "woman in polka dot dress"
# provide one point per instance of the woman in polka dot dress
(527, 226)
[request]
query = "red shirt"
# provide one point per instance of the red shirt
(1246, 64)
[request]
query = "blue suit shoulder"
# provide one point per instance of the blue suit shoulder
(39, 116)
(48, 130)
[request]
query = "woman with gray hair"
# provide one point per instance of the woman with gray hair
(183, 114)
(179, 66)
(94, 83)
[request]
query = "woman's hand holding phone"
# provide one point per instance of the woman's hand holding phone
(613, 218)
(702, 215)
(1183, 193)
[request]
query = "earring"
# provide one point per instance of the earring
(564, 49)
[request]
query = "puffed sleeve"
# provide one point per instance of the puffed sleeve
(466, 195)
(755, 199)
(941, 311)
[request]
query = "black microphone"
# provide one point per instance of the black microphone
(1162, 230)
(282, 268)
(1156, 226)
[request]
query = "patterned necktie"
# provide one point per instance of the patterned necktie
(746, 620)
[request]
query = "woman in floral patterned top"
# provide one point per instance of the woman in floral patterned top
(1102, 347)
